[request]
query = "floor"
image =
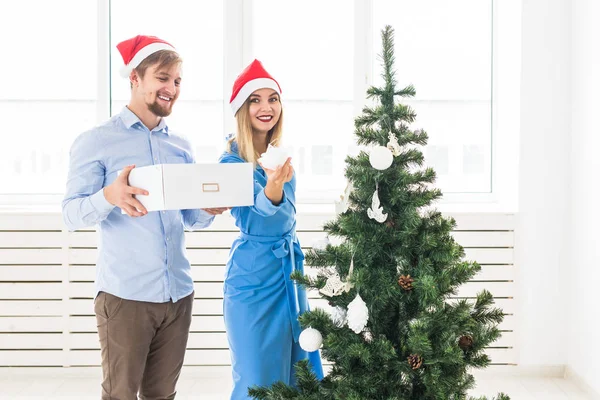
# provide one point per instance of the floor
(213, 384)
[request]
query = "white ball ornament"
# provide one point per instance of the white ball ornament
(310, 340)
(320, 244)
(381, 157)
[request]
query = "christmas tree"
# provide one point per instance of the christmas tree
(393, 331)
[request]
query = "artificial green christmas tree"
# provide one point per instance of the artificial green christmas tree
(393, 331)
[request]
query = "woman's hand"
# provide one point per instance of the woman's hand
(281, 175)
(276, 179)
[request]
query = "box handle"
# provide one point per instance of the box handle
(210, 187)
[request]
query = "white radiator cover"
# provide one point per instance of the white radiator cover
(47, 273)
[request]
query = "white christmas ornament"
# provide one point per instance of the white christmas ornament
(342, 205)
(376, 211)
(310, 340)
(358, 314)
(320, 244)
(274, 157)
(368, 336)
(338, 316)
(393, 145)
(381, 157)
(335, 286)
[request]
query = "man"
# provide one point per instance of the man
(144, 288)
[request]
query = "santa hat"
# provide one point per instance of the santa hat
(137, 49)
(252, 78)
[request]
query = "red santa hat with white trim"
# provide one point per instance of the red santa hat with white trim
(252, 78)
(137, 49)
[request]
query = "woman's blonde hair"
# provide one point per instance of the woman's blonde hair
(243, 136)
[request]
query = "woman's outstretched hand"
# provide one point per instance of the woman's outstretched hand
(281, 175)
(275, 180)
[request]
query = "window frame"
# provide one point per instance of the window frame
(237, 30)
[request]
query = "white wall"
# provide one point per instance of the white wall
(543, 181)
(582, 267)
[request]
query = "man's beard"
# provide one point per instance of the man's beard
(158, 110)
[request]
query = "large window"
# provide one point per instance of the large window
(313, 62)
(196, 31)
(49, 68)
(444, 49)
(63, 78)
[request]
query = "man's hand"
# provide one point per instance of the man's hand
(216, 211)
(120, 194)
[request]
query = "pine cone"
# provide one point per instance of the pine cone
(415, 361)
(405, 282)
(390, 223)
(465, 342)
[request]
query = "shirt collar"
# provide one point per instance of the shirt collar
(130, 119)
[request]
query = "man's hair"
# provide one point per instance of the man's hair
(164, 59)
(243, 136)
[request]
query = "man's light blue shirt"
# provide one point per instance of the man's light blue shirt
(140, 258)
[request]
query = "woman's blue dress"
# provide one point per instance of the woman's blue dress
(261, 303)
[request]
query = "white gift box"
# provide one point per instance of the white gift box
(191, 186)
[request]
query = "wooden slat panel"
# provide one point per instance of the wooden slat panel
(37, 273)
(214, 324)
(199, 324)
(306, 221)
(200, 273)
(83, 239)
(195, 256)
(31, 308)
(508, 339)
(484, 239)
(207, 290)
(197, 239)
(21, 291)
(496, 273)
(24, 341)
(214, 290)
(196, 340)
(192, 357)
(31, 221)
(220, 256)
(216, 273)
(490, 256)
(498, 289)
(30, 256)
(201, 307)
(31, 239)
(31, 324)
(30, 244)
(33, 358)
(483, 221)
(82, 273)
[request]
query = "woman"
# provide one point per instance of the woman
(261, 303)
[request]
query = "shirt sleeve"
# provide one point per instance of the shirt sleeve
(84, 203)
(196, 219)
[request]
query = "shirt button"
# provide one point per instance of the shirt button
(155, 158)
(167, 239)
(163, 212)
